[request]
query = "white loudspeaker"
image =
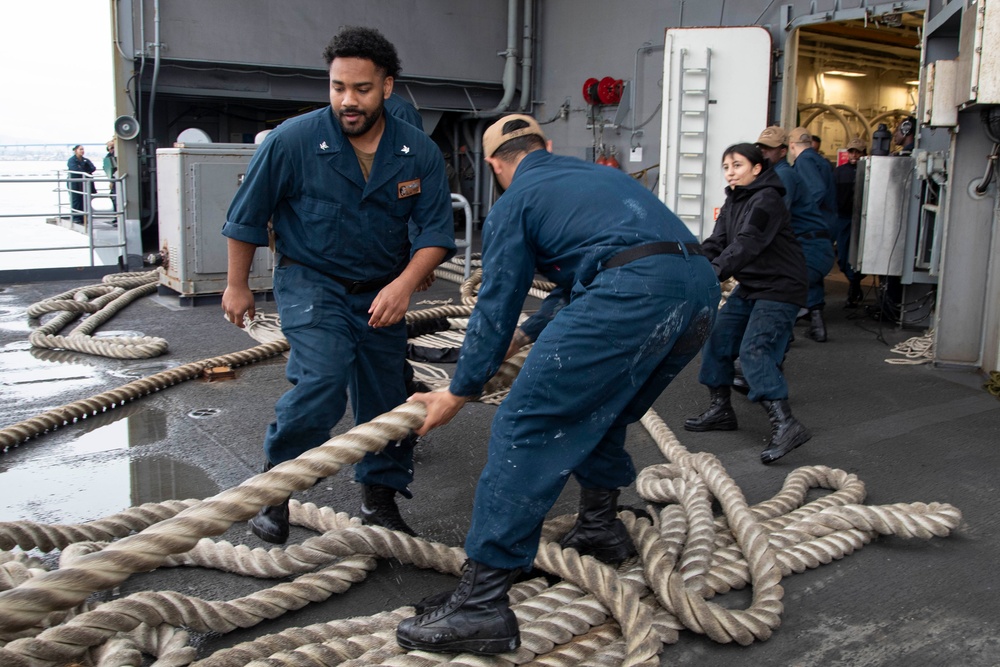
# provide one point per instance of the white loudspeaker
(126, 127)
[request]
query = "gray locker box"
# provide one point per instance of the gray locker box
(881, 238)
(195, 185)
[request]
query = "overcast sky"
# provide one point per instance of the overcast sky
(56, 72)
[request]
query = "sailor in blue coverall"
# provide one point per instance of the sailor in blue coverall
(808, 223)
(637, 301)
(817, 175)
(361, 213)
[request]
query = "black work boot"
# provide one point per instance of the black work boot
(787, 432)
(720, 415)
(817, 327)
(739, 380)
(271, 522)
(598, 531)
(475, 619)
(378, 508)
(855, 295)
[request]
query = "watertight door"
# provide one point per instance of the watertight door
(715, 92)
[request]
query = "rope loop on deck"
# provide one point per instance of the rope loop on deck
(594, 615)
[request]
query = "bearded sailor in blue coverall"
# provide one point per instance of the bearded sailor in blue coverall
(808, 223)
(361, 214)
(637, 301)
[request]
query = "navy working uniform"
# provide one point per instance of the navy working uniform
(817, 174)
(753, 241)
(79, 184)
(810, 228)
(844, 178)
(339, 240)
(400, 108)
(621, 335)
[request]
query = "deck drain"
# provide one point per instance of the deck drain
(204, 413)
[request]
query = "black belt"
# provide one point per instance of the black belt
(813, 235)
(647, 249)
(352, 286)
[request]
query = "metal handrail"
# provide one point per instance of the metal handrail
(460, 202)
(64, 182)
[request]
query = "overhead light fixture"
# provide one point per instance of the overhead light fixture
(844, 72)
(914, 82)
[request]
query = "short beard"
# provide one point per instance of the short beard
(369, 122)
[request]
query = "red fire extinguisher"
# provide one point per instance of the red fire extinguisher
(611, 160)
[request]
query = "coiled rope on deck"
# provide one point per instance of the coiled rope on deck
(687, 557)
(595, 616)
(102, 301)
(916, 350)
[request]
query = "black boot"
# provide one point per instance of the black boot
(739, 380)
(854, 293)
(787, 432)
(598, 531)
(378, 508)
(720, 415)
(475, 619)
(271, 522)
(817, 327)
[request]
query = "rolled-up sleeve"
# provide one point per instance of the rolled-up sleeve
(267, 181)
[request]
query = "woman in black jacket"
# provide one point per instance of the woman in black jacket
(753, 241)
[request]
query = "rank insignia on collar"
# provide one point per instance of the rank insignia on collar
(324, 145)
(405, 149)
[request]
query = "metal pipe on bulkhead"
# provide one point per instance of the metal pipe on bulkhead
(150, 137)
(510, 66)
(527, 53)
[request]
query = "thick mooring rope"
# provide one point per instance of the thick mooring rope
(596, 616)
(12, 436)
(687, 557)
(116, 292)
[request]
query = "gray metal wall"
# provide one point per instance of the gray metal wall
(580, 39)
(437, 38)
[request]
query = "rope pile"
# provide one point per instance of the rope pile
(917, 350)
(596, 615)
(993, 386)
(102, 302)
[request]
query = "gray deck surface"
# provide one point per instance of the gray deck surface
(911, 433)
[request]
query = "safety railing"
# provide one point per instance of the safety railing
(24, 251)
(458, 202)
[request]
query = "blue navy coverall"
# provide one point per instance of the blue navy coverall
(623, 334)
(817, 174)
(79, 184)
(753, 241)
(810, 228)
(337, 228)
(844, 177)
